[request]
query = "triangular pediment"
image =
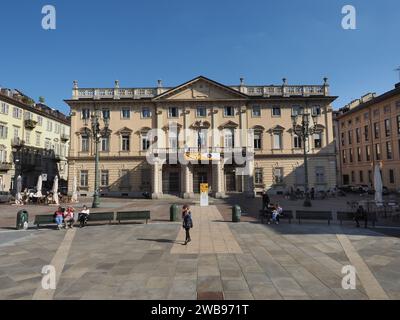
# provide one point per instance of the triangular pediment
(201, 88)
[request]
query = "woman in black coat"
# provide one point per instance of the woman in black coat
(187, 222)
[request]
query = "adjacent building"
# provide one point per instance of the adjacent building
(368, 134)
(34, 140)
(200, 119)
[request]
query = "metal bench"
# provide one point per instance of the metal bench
(133, 215)
(314, 215)
(101, 216)
(345, 216)
(44, 219)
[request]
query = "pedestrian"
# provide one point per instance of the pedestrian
(83, 216)
(265, 200)
(361, 214)
(59, 217)
(69, 218)
(187, 222)
(312, 193)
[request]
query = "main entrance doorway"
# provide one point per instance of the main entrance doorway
(171, 180)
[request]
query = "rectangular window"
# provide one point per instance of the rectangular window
(126, 113)
(358, 135)
(389, 152)
(366, 133)
(146, 113)
(361, 176)
(49, 126)
(256, 112)
(104, 181)
(84, 178)
(105, 144)
(229, 141)
(351, 155)
(201, 112)
(17, 113)
(3, 131)
(278, 175)
(4, 108)
(320, 175)
(378, 151)
(366, 116)
(47, 144)
(3, 156)
(85, 114)
(125, 142)
(391, 176)
(297, 110)
(228, 111)
(276, 111)
(376, 130)
(16, 132)
(367, 153)
(316, 111)
(350, 136)
(277, 140)
(57, 128)
(173, 112)
(297, 142)
(359, 156)
(84, 143)
(387, 128)
(318, 140)
(353, 177)
(343, 140)
(257, 140)
(344, 156)
(258, 176)
(39, 120)
(38, 139)
(28, 137)
(106, 113)
(145, 142)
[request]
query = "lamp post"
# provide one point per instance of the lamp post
(96, 132)
(304, 131)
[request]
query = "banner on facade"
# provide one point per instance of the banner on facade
(203, 194)
(202, 156)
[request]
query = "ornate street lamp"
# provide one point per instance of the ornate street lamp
(304, 131)
(96, 132)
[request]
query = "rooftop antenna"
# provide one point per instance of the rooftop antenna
(398, 70)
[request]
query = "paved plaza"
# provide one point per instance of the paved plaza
(246, 260)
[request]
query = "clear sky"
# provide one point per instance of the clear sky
(138, 42)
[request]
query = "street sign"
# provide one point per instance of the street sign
(203, 194)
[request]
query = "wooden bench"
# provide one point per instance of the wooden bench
(133, 215)
(286, 214)
(45, 219)
(314, 215)
(101, 216)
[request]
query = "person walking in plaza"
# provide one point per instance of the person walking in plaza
(83, 216)
(361, 215)
(265, 200)
(59, 217)
(69, 218)
(187, 222)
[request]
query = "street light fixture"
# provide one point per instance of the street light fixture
(96, 131)
(304, 131)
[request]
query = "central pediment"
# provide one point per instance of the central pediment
(201, 88)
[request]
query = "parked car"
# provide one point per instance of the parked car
(5, 196)
(346, 188)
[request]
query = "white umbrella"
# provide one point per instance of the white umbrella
(39, 187)
(378, 184)
(74, 190)
(55, 190)
(18, 197)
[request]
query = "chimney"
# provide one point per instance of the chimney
(284, 80)
(159, 83)
(242, 81)
(116, 84)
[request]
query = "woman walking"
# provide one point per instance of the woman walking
(187, 222)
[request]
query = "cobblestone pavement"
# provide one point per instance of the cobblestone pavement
(244, 260)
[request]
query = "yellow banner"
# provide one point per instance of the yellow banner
(203, 187)
(198, 156)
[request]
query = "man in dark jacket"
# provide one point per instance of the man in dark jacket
(361, 215)
(187, 222)
(265, 200)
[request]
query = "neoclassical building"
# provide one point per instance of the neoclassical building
(169, 140)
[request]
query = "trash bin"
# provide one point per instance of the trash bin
(22, 220)
(236, 213)
(173, 213)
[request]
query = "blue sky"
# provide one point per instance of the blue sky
(138, 42)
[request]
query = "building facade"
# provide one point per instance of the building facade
(34, 140)
(197, 120)
(369, 135)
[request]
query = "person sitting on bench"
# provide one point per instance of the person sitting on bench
(83, 216)
(69, 218)
(59, 217)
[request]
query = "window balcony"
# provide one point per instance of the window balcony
(5, 166)
(17, 142)
(64, 137)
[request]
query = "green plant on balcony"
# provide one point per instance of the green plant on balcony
(30, 124)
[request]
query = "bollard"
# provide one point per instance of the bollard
(173, 213)
(236, 213)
